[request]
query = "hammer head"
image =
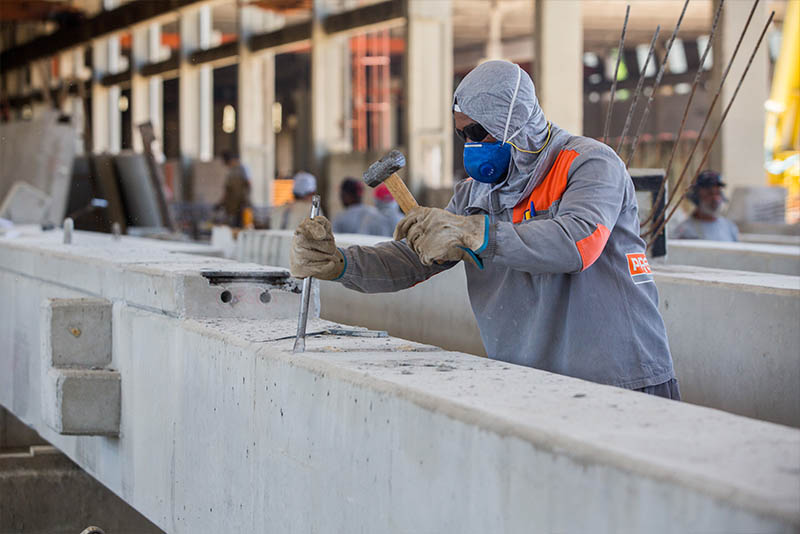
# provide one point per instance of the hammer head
(384, 168)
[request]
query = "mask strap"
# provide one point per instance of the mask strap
(511, 107)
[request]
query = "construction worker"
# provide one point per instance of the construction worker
(287, 217)
(706, 222)
(357, 218)
(388, 207)
(548, 228)
(236, 197)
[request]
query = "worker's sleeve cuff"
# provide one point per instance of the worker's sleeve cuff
(344, 268)
(489, 241)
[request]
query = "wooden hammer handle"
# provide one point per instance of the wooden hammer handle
(401, 193)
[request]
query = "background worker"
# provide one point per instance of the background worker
(548, 225)
(287, 217)
(236, 195)
(357, 218)
(387, 205)
(706, 221)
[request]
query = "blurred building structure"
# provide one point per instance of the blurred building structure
(291, 84)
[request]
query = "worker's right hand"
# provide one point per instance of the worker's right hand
(314, 251)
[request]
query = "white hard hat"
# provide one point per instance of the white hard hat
(304, 184)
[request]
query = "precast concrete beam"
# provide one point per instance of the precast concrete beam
(734, 339)
(182, 285)
(756, 257)
(224, 429)
(719, 322)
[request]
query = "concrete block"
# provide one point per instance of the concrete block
(24, 204)
(82, 401)
(76, 332)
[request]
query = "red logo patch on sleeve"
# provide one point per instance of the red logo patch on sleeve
(639, 268)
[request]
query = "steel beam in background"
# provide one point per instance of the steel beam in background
(288, 34)
(227, 50)
(102, 24)
(364, 16)
(161, 67)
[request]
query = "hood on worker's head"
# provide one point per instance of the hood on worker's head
(486, 95)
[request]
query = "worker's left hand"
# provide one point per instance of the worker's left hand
(437, 235)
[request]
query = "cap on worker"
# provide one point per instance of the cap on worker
(304, 184)
(709, 178)
(382, 194)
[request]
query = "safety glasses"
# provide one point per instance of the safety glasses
(473, 131)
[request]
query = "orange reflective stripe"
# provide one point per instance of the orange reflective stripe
(591, 247)
(550, 190)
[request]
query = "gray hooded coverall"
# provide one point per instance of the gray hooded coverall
(565, 286)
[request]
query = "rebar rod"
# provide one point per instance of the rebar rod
(719, 126)
(695, 83)
(682, 175)
(638, 90)
(616, 74)
(657, 82)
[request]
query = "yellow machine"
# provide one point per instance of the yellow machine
(781, 143)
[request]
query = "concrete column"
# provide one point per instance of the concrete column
(146, 94)
(429, 94)
(739, 150)
(494, 40)
(196, 99)
(330, 90)
(558, 61)
(100, 96)
(254, 112)
(72, 69)
(114, 114)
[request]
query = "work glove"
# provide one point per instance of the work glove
(314, 251)
(437, 235)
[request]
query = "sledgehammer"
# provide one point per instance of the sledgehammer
(385, 171)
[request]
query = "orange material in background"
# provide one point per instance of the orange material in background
(282, 192)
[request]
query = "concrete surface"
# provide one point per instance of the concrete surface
(223, 429)
(757, 257)
(14, 434)
(76, 332)
(756, 325)
(44, 492)
(405, 314)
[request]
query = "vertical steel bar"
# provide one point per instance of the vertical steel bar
(302, 318)
(616, 72)
(695, 83)
(638, 89)
(719, 126)
(682, 175)
(652, 95)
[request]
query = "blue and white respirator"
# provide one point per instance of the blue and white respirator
(489, 162)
